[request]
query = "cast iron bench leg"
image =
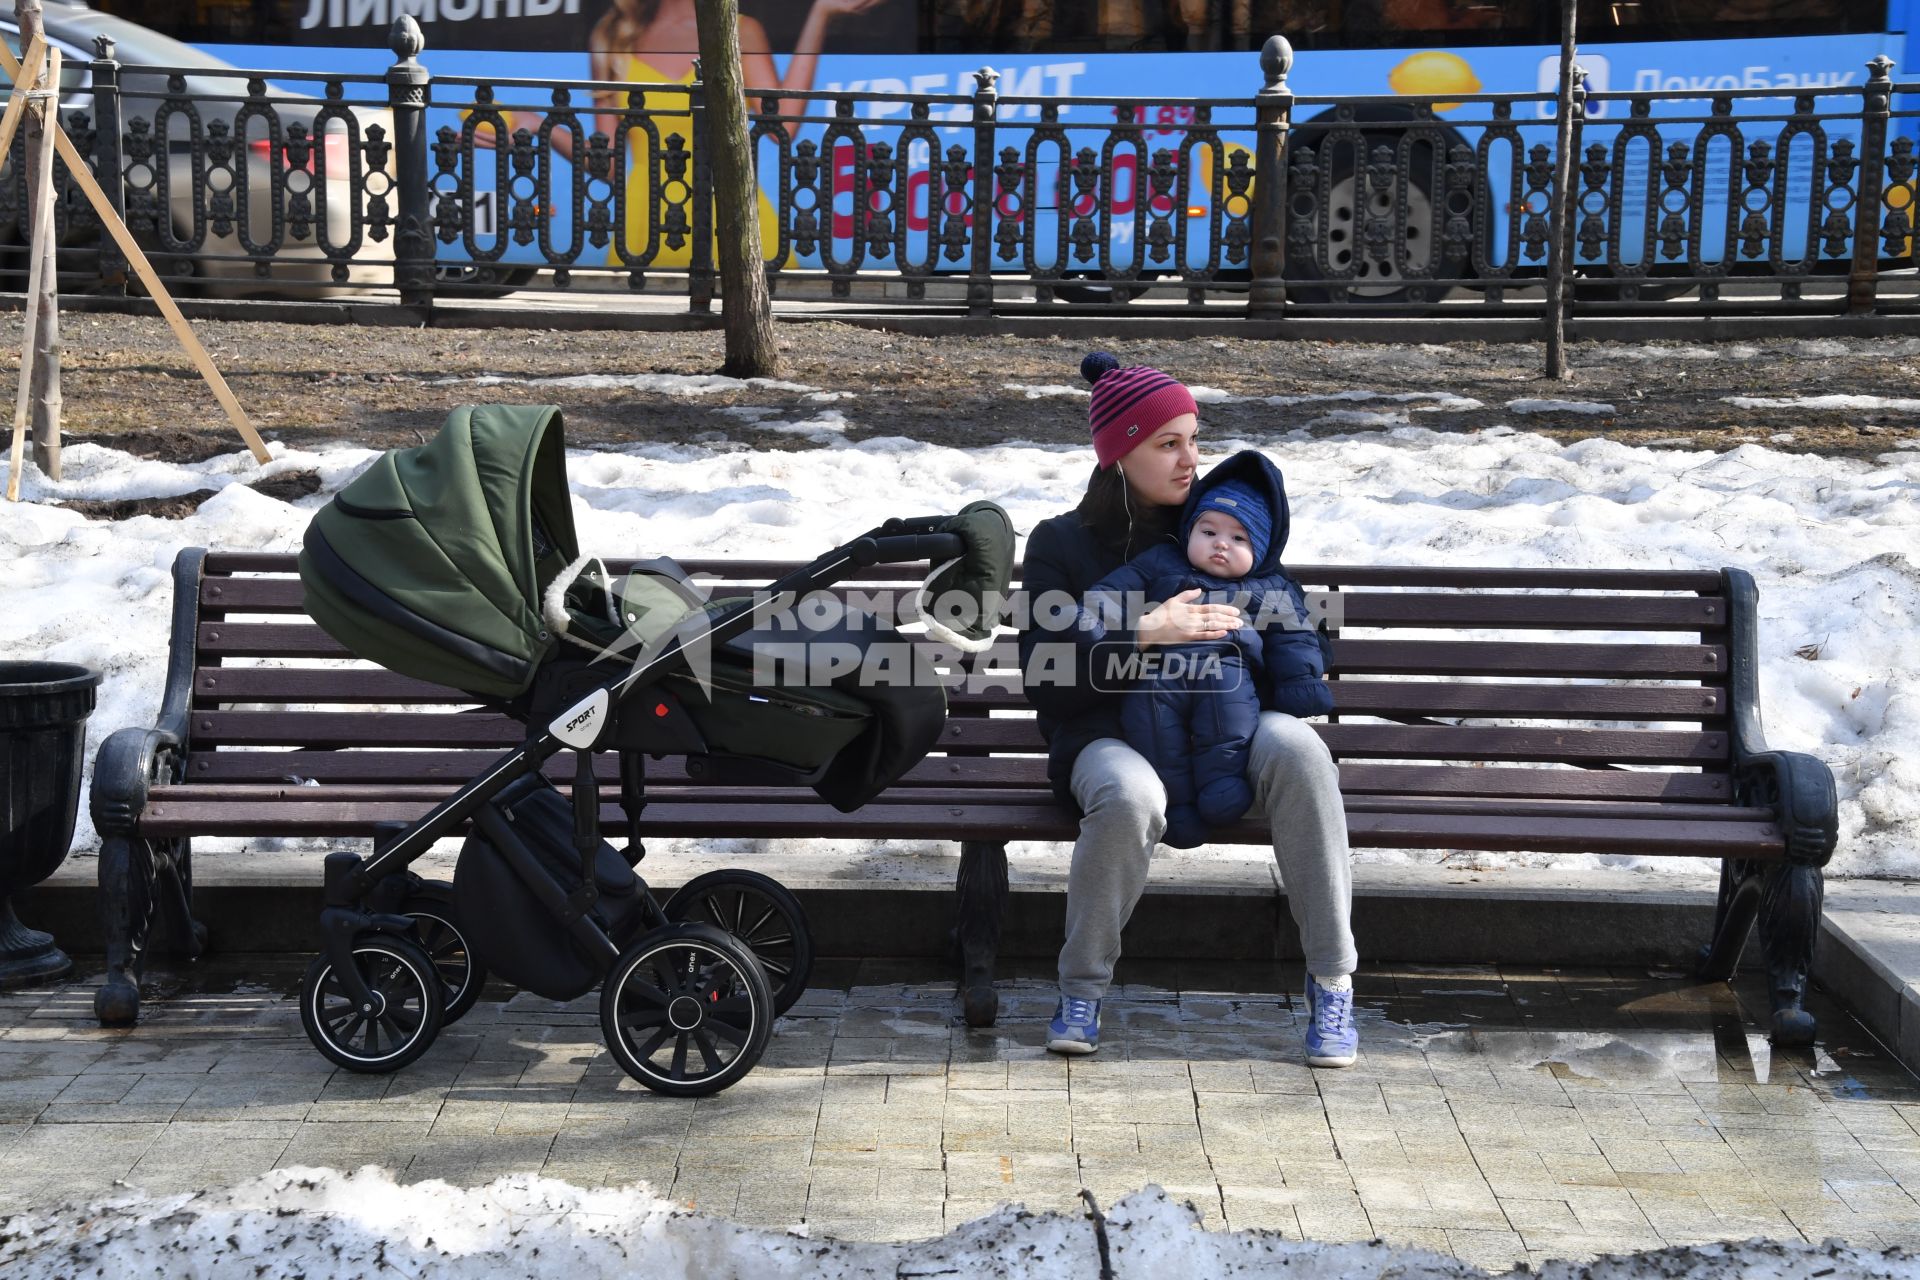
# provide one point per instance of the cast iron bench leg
(136, 878)
(981, 890)
(1790, 901)
(126, 909)
(1785, 898)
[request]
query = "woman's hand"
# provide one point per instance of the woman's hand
(1178, 620)
(842, 8)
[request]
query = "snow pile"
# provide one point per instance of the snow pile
(1892, 404)
(671, 384)
(316, 1224)
(1802, 349)
(820, 428)
(1833, 542)
(1593, 407)
(1441, 401)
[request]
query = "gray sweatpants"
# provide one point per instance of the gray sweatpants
(1295, 784)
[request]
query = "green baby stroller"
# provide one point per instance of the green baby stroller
(457, 562)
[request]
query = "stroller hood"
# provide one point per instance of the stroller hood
(434, 560)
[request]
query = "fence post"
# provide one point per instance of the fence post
(1567, 104)
(700, 261)
(1864, 281)
(986, 106)
(407, 83)
(109, 160)
(1273, 118)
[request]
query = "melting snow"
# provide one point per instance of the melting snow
(1893, 404)
(317, 1224)
(1560, 406)
(672, 384)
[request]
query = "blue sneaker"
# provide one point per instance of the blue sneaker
(1075, 1027)
(1332, 1039)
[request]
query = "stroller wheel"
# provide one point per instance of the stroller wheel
(763, 915)
(411, 1003)
(430, 903)
(686, 1010)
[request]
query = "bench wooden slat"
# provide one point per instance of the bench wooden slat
(1529, 658)
(1382, 657)
(1356, 778)
(1484, 742)
(344, 686)
(1706, 787)
(720, 794)
(657, 792)
(406, 767)
(1558, 612)
(1427, 742)
(1355, 608)
(1703, 581)
(1543, 701)
(1011, 822)
(1393, 742)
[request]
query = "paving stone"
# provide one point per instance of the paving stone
(468, 1162)
(349, 1145)
(527, 1119)
(1495, 1251)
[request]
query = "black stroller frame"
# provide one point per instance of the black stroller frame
(354, 924)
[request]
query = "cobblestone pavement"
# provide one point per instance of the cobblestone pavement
(1498, 1115)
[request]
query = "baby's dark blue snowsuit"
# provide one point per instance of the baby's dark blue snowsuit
(1195, 707)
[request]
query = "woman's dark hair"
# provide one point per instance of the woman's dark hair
(1118, 518)
(621, 26)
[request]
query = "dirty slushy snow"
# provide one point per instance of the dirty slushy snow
(318, 1224)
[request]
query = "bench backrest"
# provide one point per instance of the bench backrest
(1621, 687)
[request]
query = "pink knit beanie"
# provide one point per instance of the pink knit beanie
(1129, 404)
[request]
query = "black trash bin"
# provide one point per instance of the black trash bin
(43, 735)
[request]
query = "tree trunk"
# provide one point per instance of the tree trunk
(736, 206)
(45, 366)
(1561, 265)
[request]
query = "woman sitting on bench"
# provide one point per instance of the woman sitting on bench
(1144, 427)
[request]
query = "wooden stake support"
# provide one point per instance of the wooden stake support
(82, 174)
(17, 101)
(42, 222)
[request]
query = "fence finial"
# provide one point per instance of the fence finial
(1881, 68)
(983, 81)
(405, 39)
(1276, 59)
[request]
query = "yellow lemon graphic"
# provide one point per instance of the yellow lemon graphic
(1434, 71)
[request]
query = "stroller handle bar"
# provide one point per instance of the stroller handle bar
(914, 524)
(906, 548)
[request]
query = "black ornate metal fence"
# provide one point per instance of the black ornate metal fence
(1776, 200)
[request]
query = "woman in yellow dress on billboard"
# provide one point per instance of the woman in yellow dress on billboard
(656, 42)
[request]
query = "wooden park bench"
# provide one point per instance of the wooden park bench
(1444, 741)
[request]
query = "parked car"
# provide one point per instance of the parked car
(214, 262)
